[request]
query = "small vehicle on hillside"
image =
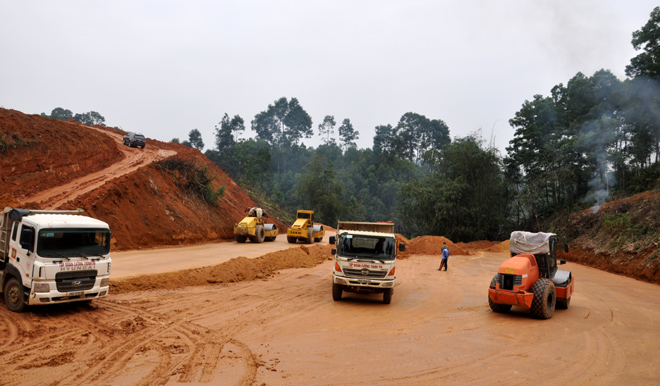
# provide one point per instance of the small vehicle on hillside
(530, 278)
(135, 140)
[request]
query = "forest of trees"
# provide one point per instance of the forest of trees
(593, 138)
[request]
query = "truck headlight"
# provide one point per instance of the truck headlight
(41, 287)
(105, 282)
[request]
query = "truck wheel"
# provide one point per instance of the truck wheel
(387, 295)
(336, 292)
(563, 303)
(310, 236)
(291, 240)
(545, 299)
(14, 295)
(240, 239)
(259, 234)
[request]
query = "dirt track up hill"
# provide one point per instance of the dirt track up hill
(51, 164)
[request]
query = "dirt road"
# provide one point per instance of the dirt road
(134, 158)
(135, 263)
(287, 330)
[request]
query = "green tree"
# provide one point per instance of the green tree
(647, 39)
(320, 190)
(227, 134)
(327, 129)
(195, 139)
(347, 134)
(284, 122)
(90, 118)
(60, 114)
(464, 200)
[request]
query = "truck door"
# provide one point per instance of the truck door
(21, 251)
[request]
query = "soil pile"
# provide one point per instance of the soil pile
(431, 245)
(476, 246)
(504, 246)
(235, 270)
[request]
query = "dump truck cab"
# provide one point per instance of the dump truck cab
(51, 257)
(365, 259)
(530, 278)
(304, 228)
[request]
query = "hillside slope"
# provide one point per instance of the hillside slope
(621, 237)
(157, 196)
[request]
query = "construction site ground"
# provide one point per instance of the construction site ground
(188, 306)
(285, 329)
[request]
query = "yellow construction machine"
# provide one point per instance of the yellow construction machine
(254, 228)
(304, 228)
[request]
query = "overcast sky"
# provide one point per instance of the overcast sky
(164, 68)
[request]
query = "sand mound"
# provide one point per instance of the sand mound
(235, 270)
(479, 245)
(430, 245)
(500, 247)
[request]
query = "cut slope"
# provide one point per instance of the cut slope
(50, 164)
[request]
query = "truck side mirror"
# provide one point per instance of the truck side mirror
(333, 251)
(402, 247)
(332, 239)
(566, 247)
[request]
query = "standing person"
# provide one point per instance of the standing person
(445, 256)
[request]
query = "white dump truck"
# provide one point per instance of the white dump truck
(365, 258)
(52, 256)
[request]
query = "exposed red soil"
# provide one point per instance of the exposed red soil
(431, 245)
(144, 205)
(232, 271)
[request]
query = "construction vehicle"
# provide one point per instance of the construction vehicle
(530, 278)
(52, 256)
(365, 259)
(254, 228)
(304, 228)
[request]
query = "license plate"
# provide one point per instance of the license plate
(365, 282)
(74, 294)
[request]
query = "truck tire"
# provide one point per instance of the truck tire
(387, 295)
(291, 240)
(14, 295)
(545, 299)
(310, 236)
(240, 239)
(497, 307)
(259, 234)
(563, 303)
(336, 292)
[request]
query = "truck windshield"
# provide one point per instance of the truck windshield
(73, 242)
(381, 248)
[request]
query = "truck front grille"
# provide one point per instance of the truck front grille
(71, 281)
(370, 274)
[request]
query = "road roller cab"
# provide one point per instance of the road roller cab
(530, 278)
